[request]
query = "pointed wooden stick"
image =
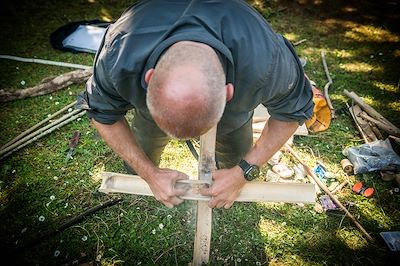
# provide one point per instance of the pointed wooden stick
(312, 176)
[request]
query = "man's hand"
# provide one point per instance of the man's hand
(162, 184)
(227, 184)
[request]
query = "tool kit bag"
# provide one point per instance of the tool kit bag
(79, 36)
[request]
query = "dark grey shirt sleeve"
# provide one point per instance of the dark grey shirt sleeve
(290, 96)
(105, 104)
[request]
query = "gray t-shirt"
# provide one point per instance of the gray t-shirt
(261, 64)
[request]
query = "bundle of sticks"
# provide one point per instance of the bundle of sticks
(369, 122)
(40, 129)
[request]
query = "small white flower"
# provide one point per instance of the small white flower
(84, 238)
(52, 197)
(137, 208)
(70, 92)
(48, 204)
(371, 56)
(17, 68)
(121, 214)
(24, 230)
(57, 103)
(169, 216)
(23, 82)
(66, 205)
(153, 231)
(13, 171)
(48, 167)
(98, 257)
(56, 253)
(380, 53)
(51, 98)
(55, 178)
(41, 218)
(161, 226)
(238, 259)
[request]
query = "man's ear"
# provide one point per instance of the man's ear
(148, 75)
(229, 91)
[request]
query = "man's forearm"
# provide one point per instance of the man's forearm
(273, 137)
(120, 139)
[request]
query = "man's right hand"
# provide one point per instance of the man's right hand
(162, 184)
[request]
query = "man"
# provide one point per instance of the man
(185, 66)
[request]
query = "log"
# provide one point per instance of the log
(371, 111)
(387, 128)
(357, 125)
(364, 125)
(58, 83)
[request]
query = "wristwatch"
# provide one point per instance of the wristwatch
(250, 171)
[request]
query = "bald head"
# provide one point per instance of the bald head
(186, 93)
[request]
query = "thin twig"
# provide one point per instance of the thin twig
(42, 61)
(26, 132)
(68, 224)
(327, 85)
(299, 42)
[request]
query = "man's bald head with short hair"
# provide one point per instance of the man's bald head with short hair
(187, 90)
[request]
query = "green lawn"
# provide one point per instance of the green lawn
(362, 45)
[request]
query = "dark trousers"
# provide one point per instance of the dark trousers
(230, 148)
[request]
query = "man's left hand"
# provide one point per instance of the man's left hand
(227, 184)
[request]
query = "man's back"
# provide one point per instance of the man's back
(257, 61)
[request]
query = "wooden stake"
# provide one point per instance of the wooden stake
(202, 240)
(312, 176)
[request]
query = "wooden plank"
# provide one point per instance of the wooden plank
(255, 191)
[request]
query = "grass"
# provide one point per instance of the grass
(362, 50)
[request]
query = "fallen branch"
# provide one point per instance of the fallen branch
(327, 85)
(313, 177)
(299, 42)
(58, 83)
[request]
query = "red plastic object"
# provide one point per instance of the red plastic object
(362, 189)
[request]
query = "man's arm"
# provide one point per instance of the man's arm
(228, 182)
(119, 137)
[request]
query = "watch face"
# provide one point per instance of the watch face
(252, 173)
